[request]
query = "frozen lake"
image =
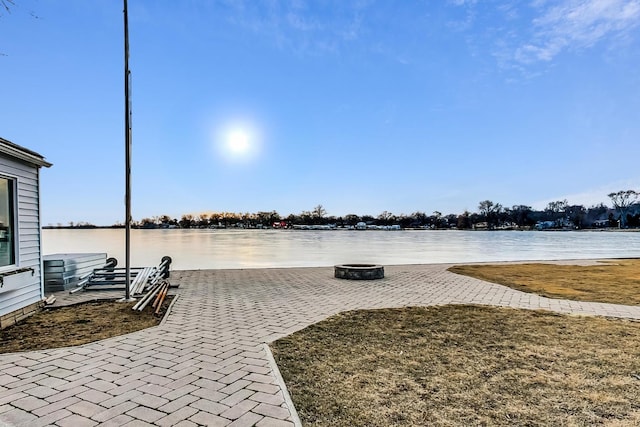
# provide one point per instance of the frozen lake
(214, 249)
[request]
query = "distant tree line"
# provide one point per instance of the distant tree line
(490, 215)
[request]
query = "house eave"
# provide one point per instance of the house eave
(21, 153)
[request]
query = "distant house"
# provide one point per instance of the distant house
(545, 225)
(21, 283)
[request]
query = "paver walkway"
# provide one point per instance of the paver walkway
(206, 364)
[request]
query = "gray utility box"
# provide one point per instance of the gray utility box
(63, 271)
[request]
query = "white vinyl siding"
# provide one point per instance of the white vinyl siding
(27, 238)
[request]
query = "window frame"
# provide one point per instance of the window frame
(13, 212)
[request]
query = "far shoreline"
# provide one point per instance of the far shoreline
(119, 227)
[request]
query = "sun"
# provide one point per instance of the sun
(238, 142)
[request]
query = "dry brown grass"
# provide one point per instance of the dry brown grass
(463, 366)
(76, 325)
(616, 282)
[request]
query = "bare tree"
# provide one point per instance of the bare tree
(319, 212)
(435, 220)
(267, 218)
(6, 6)
(351, 219)
(490, 212)
(186, 221)
(385, 217)
(622, 200)
(556, 211)
(520, 215)
(557, 206)
(464, 221)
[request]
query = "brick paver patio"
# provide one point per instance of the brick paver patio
(207, 364)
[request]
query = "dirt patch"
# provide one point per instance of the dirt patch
(616, 281)
(77, 324)
(463, 365)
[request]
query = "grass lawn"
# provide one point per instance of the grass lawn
(77, 324)
(616, 281)
(460, 365)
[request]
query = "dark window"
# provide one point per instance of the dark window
(7, 223)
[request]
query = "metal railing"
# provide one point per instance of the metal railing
(110, 277)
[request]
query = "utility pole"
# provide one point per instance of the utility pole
(127, 130)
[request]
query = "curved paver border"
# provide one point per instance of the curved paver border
(283, 386)
(166, 314)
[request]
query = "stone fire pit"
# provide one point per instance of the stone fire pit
(359, 271)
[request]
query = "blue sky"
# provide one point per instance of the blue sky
(361, 106)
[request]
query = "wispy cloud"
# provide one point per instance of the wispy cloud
(521, 35)
(576, 24)
(305, 27)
